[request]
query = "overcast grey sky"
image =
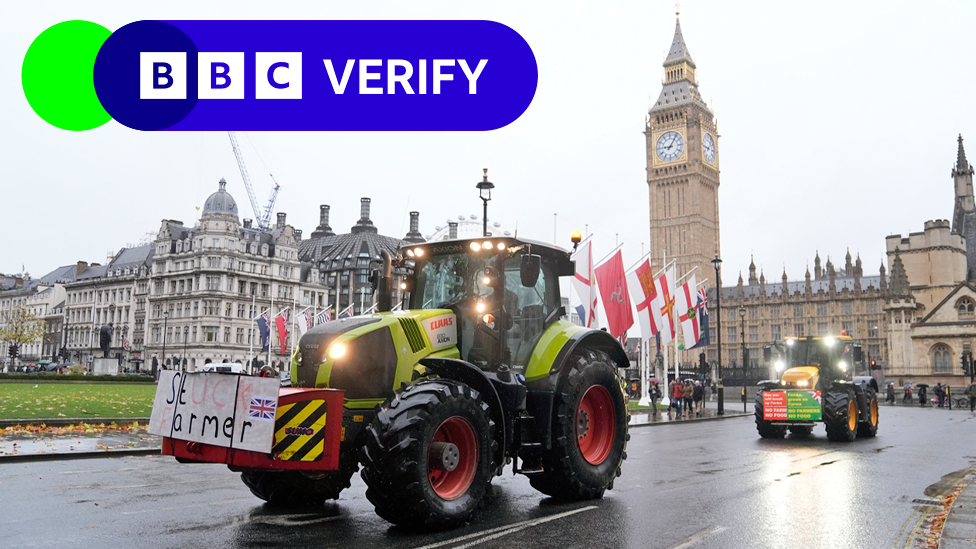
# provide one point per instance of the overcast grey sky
(838, 125)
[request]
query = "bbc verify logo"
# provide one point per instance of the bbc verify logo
(162, 75)
(286, 75)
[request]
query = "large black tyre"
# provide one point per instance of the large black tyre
(840, 415)
(297, 488)
(407, 457)
(589, 430)
(869, 427)
(766, 428)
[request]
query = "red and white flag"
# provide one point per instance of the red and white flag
(304, 322)
(688, 312)
(644, 292)
(584, 282)
(613, 289)
(666, 305)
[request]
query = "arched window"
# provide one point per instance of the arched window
(941, 358)
(965, 307)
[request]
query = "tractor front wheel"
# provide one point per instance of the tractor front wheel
(840, 415)
(589, 431)
(428, 454)
(301, 488)
(869, 427)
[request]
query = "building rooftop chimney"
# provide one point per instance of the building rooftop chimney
(414, 236)
(364, 225)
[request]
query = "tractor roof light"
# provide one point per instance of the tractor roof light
(501, 246)
(779, 365)
(475, 247)
(410, 253)
(829, 341)
(419, 252)
(487, 245)
(789, 342)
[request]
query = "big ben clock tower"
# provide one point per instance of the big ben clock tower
(682, 169)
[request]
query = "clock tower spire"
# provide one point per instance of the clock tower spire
(682, 167)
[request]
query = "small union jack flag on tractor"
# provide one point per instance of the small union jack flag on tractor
(262, 408)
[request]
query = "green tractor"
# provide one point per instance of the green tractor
(477, 371)
(815, 385)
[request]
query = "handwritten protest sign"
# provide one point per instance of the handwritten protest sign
(223, 410)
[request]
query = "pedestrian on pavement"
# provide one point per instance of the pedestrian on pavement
(688, 391)
(939, 394)
(677, 395)
(908, 395)
(971, 393)
(655, 394)
(698, 395)
(922, 395)
(891, 394)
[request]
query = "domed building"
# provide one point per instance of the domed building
(212, 280)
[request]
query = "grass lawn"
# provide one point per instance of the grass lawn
(633, 405)
(54, 400)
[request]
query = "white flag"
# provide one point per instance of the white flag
(687, 312)
(665, 304)
(584, 282)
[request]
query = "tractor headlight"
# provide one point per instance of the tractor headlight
(789, 342)
(842, 365)
(337, 350)
(801, 383)
(480, 307)
(829, 341)
(779, 365)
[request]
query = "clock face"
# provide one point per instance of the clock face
(669, 146)
(708, 147)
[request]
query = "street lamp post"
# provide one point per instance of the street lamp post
(165, 319)
(745, 355)
(125, 341)
(717, 263)
(186, 332)
(484, 190)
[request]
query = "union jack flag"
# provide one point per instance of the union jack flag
(703, 301)
(262, 408)
(816, 396)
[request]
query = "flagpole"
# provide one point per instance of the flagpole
(250, 340)
(608, 256)
(645, 397)
(667, 387)
(635, 265)
(294, 325)
(271, 317)
(677, 330)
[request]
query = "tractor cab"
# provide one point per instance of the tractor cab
(504, 293)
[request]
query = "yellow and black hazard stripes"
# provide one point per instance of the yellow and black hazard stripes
(300, 431)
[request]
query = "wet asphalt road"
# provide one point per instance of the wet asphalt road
(709, 484)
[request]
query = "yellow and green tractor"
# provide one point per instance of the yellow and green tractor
(478, 370)
(814, 385)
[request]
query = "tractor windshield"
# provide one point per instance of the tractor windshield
(832, 356)
(447, 280)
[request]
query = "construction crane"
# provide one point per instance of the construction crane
(263, 218)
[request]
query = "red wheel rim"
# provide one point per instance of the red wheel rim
(596, 424)
(450, 485)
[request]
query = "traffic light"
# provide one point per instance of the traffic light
(13, 351)
(967, 364)
(874, 364)
(702, 364)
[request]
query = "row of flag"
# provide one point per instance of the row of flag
(661, 307)
(305, 322)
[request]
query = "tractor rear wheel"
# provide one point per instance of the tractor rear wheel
(302, 488)
(840, 415)
(869, 428)
(427, 460)
(765, 427)
(589, 431)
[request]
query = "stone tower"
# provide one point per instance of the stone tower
(682, 168)
(964, 211)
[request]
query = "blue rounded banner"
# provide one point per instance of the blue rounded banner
(316, 75)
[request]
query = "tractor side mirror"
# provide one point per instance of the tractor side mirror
(529, 269)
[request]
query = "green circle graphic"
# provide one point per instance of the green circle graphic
(58, 75)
